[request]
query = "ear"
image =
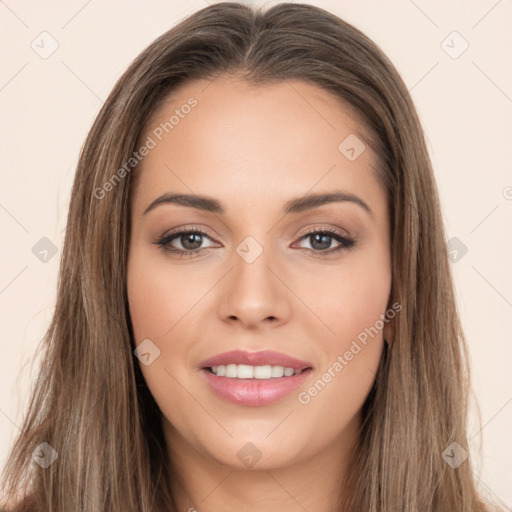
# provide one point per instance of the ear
(389, 331)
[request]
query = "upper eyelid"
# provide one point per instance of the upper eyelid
(311, 230)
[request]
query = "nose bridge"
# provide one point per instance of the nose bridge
(253, 292)
(252, 277)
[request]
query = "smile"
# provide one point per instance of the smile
(254, 391)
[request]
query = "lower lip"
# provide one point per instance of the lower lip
(254, 392)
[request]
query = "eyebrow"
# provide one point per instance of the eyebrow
(298, 205)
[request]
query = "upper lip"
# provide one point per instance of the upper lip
(261, 358)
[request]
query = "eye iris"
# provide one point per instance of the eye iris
(325, 240)
(189, 237)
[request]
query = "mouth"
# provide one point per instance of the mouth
(254, 392)
(254, 379)
(249, 372)
(264, 364)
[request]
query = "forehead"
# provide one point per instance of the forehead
(244, 140)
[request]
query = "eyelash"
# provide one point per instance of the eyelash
(164, 242)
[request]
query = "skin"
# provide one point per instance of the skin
(253, 148)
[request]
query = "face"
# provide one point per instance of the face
(257, 267)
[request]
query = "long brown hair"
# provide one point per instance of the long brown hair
(90, 402)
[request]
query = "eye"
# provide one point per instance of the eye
(321, 238)
(192, 238)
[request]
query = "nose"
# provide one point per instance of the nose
(253, 293)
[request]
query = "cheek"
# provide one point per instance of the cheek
(351, 304)
(346, 300)
(158, 295)
(165, 304)
(360, 302)
(158, 301)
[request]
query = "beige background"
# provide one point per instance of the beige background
(465, 105)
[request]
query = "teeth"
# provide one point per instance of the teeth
(245, 371)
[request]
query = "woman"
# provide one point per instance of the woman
(309, 356)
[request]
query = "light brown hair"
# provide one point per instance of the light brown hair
(90, 401)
